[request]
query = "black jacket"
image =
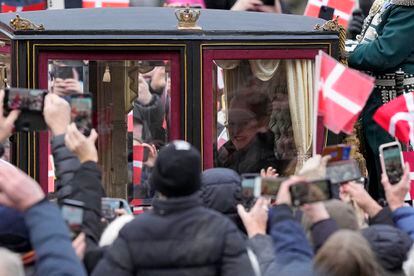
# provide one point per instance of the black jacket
(177, 237)
(256, 156)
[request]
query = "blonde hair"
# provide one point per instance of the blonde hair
(10, 263)
(346, 253)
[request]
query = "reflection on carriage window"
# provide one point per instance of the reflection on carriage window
(150, 122)
(255, 126)
(67, 77)
(130, 110)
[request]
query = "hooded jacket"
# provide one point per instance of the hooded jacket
(221, 191)
(390, 246)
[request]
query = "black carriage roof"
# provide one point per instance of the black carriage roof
(155, 22)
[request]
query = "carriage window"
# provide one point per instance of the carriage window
(263, 113)
(130, 110)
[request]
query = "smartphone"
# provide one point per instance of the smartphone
(310, 192)
(72, 213)
(338, 152)
(248, 185)
(343, 171)
(30, 102)
(64, 72)
(392, 161)
(326, 13)
(267, 186)
(24, 99)
(81, 112)
(109, 205)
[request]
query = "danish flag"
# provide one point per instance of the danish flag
(342, 93)
(333, 8)
(397, 117)
(105, 3)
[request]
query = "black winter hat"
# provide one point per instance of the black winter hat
(177, 171)
(389, 244)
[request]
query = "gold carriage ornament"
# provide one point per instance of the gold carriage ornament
(187, 18)
(22, 24)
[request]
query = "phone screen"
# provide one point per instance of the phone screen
(343, 171)
(109, 205)
(25, 99)
(309, 192)
(81, 112)
(270, 186)
(73, 217)
(248, 186)
(393, 163)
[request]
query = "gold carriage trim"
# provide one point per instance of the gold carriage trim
(23, 24)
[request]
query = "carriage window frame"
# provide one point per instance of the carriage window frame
(210, 54)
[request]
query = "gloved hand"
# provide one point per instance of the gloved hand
(355, 24)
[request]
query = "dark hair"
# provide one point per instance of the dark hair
(257, 102)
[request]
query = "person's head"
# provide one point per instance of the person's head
(221, 191)
(177, 171)
(346, 253)
(10, 263)
(390, 245)
(249, 113)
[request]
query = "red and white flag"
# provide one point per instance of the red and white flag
(409, 157)
(105, 3)
(397, 117)
(342, 93)
(341, 8)
(137, 163)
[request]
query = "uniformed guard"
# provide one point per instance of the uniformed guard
(386, 50)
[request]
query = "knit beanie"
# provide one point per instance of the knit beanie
(177, 171)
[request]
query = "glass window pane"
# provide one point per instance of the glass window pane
(254, 125)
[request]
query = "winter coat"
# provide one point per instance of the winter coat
(50, 239)
(404, 219)
(256, 156)
(390, 245)
(177, 237)
(221, 191)
(383, 217)
(66, 163)
(293, 254)
(321, 231)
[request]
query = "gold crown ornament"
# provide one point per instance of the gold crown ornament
(187, 18)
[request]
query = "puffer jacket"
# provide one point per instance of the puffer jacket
(221, 191)
(178, 237)
(404, 219)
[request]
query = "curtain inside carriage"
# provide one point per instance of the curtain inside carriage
(289, 84)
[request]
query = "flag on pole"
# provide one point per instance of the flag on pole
(105, 3)
(341, 93)
(409, 158)
(330, 9)
(397, 117)
(16, 6)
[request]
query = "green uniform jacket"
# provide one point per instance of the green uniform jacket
(394, 47)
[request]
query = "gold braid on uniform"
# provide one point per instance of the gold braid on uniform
(403, 2)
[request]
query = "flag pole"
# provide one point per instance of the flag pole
(316, 102)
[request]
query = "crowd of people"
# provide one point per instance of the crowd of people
(199, 223)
